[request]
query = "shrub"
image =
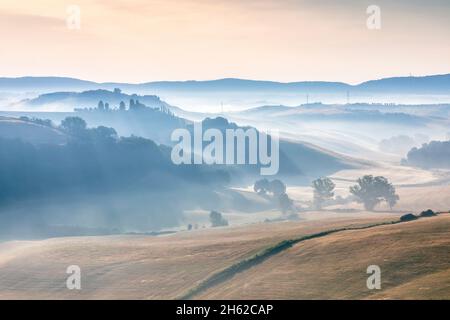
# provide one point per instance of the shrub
(428, 213)
(408, 217)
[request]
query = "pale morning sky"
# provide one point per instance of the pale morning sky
(281, 40)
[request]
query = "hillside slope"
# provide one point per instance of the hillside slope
(28, 131)
(411, 255)
(140, 267)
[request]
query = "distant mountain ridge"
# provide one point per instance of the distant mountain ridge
(438, 84)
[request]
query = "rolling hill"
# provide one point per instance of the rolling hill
(413, 257)
(29, 131)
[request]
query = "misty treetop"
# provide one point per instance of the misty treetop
(372, 190)
(323, 191)
(276, 191)
(217, 219)
(131, 178)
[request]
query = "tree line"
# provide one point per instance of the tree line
(370, 191)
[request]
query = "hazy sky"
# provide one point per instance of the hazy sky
(283, 40)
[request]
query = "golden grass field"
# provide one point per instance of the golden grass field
(414, 258)
(139, 267)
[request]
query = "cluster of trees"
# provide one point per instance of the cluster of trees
(277, 190)
(42, 122)
(264, 186)
(133, 105)
(105, 100)
(94, 158)
(131, 173)
(435, 154)
(217, 220)
(369, 190)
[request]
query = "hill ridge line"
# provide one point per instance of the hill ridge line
(264, 254)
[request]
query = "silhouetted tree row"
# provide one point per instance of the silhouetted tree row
(133, 105)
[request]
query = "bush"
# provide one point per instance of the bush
(427, 213)
(408, 217)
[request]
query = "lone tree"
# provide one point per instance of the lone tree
(286, 204)
(217, 220)
(262, 186)
(323, 190)
(277, 187)
(122, 105)
(372, 190)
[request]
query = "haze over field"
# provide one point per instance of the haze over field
(317, 140)
(98, 162)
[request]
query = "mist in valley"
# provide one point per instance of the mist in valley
(98, 160)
